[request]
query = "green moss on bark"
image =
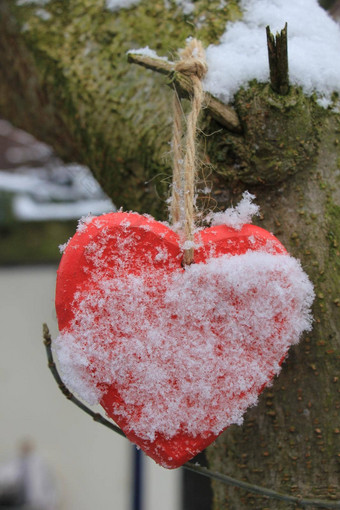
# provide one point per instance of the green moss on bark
(112, 116)
(266, 153)
(294, 425)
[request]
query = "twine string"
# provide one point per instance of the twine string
(192, 63)
(177, 185)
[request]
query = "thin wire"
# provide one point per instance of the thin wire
(213, 475)
(262, 491)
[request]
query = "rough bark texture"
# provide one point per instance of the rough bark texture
(291, 439)
(66, 80)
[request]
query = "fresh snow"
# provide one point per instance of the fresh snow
(241, 55)
(147, 52)
(39, 2)
(236, 217)
(187, 6)
(115, 5)
(160, 364)
(187, 350)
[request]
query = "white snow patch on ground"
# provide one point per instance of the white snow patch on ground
(313, 48)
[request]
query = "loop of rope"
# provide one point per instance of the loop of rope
(192, 63)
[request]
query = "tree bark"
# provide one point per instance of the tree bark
(66, 79)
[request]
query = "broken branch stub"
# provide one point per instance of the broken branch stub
(278, 60)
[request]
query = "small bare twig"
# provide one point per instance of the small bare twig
(63, 388)
(262, 491)
(221, 112)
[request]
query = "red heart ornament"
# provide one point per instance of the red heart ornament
(175, 355)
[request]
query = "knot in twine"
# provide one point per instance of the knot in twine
(192, 60)
(192, 63)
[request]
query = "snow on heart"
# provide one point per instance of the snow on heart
(189, 350)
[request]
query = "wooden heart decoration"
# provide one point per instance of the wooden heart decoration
(175, 355)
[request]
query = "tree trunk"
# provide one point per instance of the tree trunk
(65, 78)
(290, 440)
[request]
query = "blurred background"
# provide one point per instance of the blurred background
(52, 455)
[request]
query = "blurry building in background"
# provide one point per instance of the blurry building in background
(41, 198)
(40, 187)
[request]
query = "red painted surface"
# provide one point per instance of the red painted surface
(76, 271)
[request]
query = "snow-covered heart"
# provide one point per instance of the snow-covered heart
(175, 355)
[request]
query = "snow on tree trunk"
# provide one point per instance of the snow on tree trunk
(65, 78)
